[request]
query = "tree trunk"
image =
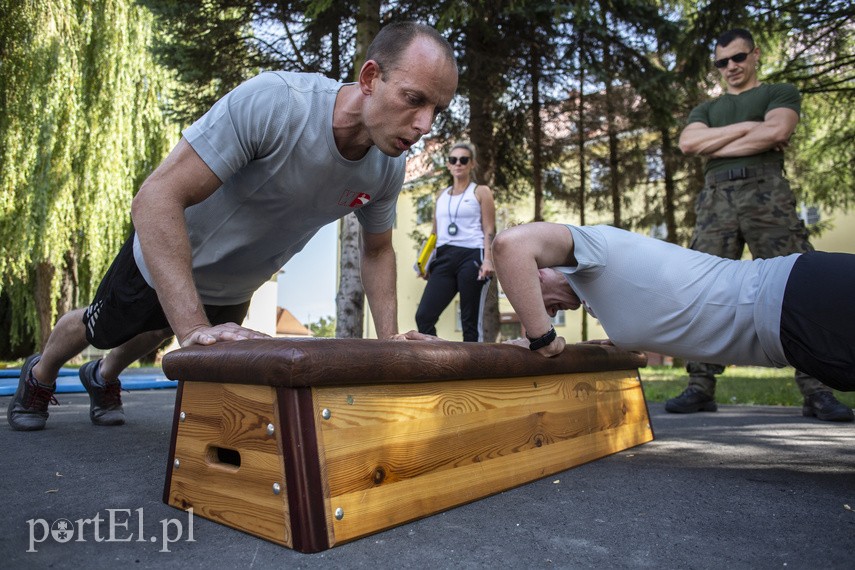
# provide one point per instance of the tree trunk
(350, 299)
(582, 172)
(68, 287)
(614, 158)
(491, 322)
(668, 171)
(367, 26)
(694, 185)
(480, 86)
(21, 347)
(42, 297)
(536, 134)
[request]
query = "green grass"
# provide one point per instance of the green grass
(738, 385)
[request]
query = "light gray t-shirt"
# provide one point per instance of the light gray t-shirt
(271, 142)
(652, 295)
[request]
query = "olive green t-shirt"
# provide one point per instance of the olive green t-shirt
(751, 105)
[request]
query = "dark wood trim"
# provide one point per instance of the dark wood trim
(646, 405)
(296, 363)
(172, 440)
(302, 470)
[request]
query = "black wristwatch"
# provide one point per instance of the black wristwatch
(545, 340)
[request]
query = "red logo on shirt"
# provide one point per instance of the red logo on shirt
(360, 199)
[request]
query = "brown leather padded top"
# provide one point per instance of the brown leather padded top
(342, 361)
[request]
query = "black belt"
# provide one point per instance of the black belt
(743, 173)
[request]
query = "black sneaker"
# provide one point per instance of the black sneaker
(28, 409)
(690, 401)
(105, 398)
(826, 407)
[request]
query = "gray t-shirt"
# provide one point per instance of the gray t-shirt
(271, 142)
(652, 295)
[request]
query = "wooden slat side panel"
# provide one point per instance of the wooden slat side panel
(233, 417)
(367, 404)
(544, 425)
(364, 457)
(385, 506)
(633, 409)
(362, 452)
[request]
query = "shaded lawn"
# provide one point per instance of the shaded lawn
(738, 385)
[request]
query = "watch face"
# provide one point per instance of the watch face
(452, 229)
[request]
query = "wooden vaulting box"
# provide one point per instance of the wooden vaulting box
(314, 442)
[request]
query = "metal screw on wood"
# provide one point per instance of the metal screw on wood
(182, 416)
(326, 414)
(339, 514)
(270, 429)
(177, 464)
(276, 488)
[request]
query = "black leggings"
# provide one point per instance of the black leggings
(454, 270)
(818, 318)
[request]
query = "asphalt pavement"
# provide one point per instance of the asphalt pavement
(745, 487)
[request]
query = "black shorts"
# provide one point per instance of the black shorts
(125, 305)
(818, 318)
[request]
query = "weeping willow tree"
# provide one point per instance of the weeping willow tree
(80, 128)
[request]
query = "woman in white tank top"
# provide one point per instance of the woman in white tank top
(465, 224)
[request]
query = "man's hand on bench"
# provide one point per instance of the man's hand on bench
(227, 331)
(414, 335)
(554, 348)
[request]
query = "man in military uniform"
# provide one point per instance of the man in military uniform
(746, 199)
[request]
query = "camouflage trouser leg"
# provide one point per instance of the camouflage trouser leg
(810, 385)
(759, 212)
(702, 376)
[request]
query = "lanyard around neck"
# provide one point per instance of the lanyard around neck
(457, 210)
(452, 226)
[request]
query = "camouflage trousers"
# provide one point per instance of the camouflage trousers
(759, 212)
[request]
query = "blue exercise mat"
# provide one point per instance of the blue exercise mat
(68, 381)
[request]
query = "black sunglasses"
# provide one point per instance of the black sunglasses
(737, 58)
(464, 160)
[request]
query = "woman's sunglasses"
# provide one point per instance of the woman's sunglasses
(737, 58)
(464, 160)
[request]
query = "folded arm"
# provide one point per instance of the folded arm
(698, 139)
(740, 139)
(772, 134)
